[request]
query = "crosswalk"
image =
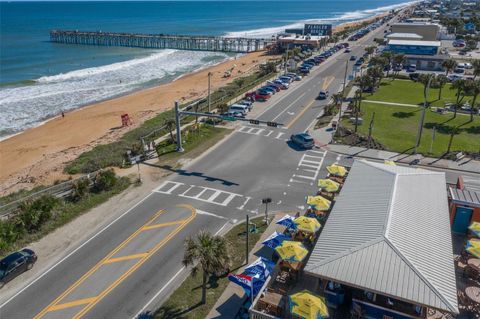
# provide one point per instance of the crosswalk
(263, 132)
(202, 193)
(308, 167)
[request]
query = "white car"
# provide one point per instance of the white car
(453, 77)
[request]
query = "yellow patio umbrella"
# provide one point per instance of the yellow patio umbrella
(388, 162)
(320, 203)
(337, 170)
(473, 247)
(328, 185)
(292, 251)
(306, 305)
(475, 228)
(307, 224)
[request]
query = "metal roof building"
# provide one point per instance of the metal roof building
(389, 233)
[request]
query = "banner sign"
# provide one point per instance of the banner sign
(250, 284)
(318, 29)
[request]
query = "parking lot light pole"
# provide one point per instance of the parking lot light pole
(179, 132)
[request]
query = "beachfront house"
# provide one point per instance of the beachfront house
(386, 249)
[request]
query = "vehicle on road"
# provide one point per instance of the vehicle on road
(15, 264)
(304, 140)
(323, 95)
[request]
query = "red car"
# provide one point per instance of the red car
(262, 97)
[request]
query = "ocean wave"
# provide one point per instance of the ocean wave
(30, 105)
(337, 19)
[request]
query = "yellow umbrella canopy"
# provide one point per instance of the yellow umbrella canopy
(337, 170)
(475, 228)
(307, 224)
(389, 162)
(473, 247)
(292, 251)
(328, 185)
(308, 306)
(319, 202)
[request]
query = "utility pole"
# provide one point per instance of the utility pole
(179, 132)
(209, 76)
(433, 139)
(370, 129)
(247, 232)
(422, 117)
(266, 201)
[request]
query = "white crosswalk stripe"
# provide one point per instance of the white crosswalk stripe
(202, 193)
(308, 167)
(261, 132)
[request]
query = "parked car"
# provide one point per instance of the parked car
(414, 76)
(304, 140)
(273, 87)
(323, 95)
(234, 114)
(412, 68)
(295, 76)
(247, 103)
(239, 108)
(459, 70)
(15, 264)
(269, 89)
(347, 50)
(353, 58)
(459, 43)
(358, 63)
(262, 96)
(286, 78)
(304, 70)
(453, 77)
(262, 91)
(281, 84)
(397, 67)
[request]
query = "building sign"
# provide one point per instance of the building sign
(294, 31)
(318, 29)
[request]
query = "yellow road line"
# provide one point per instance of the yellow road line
(299, 114)
(139, 263)
(74, 303)
(95, 268)
(123, 258)
(154, 226)
(326, 83)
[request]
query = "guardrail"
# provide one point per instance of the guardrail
(60, 190)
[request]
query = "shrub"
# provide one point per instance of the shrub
(35, 213)
(105, 180)
(80, 189)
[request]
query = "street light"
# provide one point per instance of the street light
(266, 201)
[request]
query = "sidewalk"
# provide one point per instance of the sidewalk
(323, 139)
(230, 302)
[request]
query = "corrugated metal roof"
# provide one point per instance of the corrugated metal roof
(465, 196)
(389, 232)
(471, 183)
(413, 42)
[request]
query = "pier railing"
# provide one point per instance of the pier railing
(161, 41)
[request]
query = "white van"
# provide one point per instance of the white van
(239, 108)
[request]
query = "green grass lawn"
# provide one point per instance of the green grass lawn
(395, 127)
(409, 92)
(184, 302)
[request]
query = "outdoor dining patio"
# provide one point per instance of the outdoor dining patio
(287, 293)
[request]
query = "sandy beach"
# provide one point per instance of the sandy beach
(37, 156)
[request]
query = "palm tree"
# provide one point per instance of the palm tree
(460, 86)
(362, 82)
(370, 49)
(426, 80)
(207, 253)
(441, 80)
(449, 65)
(398, 60)
(476, 68)
(170, 125)
(376, 75)
(474, 90)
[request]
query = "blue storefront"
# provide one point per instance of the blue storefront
(413, 47)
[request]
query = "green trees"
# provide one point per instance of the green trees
(35, 213)
(449, 65)
(460, 87)
(370, 49)
(206, 253)
(398, 59)
(105, 180)
(473, 89)
(440, 82)
(363, 82)
(476, 68)
(375, 74)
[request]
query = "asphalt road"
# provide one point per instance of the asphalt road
(133, 264)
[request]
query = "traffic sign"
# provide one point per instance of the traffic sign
(229, 118)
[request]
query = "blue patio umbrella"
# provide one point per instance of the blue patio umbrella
(262, 267)
(275, 240)
(287, 221)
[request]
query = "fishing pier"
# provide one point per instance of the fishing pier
(160, 41)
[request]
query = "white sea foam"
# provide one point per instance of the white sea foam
(27, 106)
(339, 18)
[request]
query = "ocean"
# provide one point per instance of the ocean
(39, 79)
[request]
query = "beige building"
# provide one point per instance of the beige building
(428, 31)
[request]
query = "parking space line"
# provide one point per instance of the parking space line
(123, 258)
(74, 303)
